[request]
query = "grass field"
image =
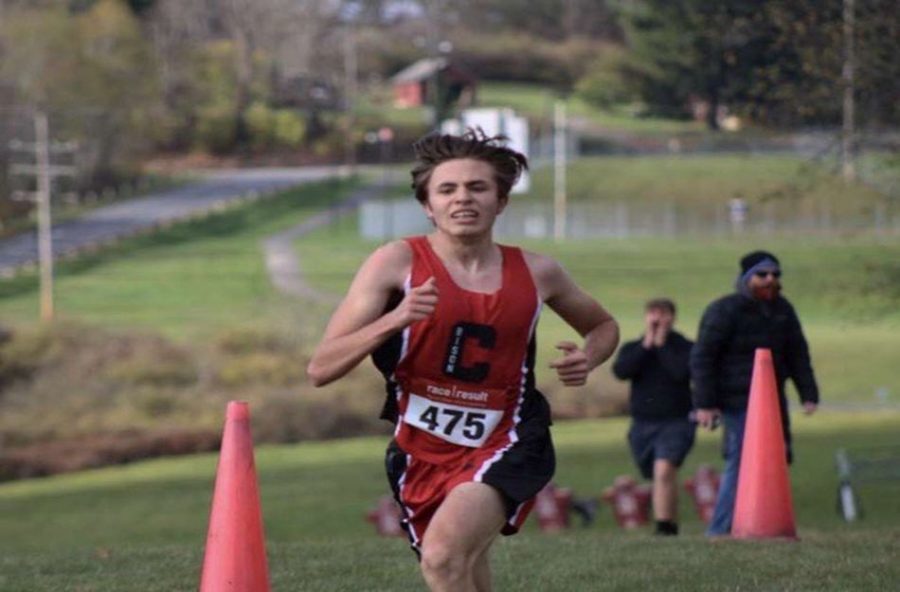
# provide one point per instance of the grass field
(142, 527)
(538, 103)
(836, 284)
(188, 281)
(846, 287)
(707, 180)
(199, 281)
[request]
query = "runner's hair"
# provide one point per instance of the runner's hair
(435, 149)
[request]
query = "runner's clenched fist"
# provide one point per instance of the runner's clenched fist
(418, 304)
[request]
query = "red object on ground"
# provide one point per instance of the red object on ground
(764, 507)
(551, 507)
(630, 501)
(704, 488)
(235, 557)
(386, 517)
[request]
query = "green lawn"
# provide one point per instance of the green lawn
(142, 527)
(191, 280)
(846, 287)
(536, 102)
(785, 182)
(197, 280)
(841, 288)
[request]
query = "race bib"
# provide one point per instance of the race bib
(465, 426)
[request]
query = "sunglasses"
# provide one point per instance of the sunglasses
(763, 274)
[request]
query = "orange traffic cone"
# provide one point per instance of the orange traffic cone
(235, 558)
(764, 507)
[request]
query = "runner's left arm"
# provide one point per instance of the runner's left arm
(581, 312)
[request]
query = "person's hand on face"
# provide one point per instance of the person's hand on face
(658, 323)
(664, 325)
(651, 327)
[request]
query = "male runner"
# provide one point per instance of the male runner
(450, 320)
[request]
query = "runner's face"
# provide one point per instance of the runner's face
(462, 197)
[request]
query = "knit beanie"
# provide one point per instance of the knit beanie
(751, 260)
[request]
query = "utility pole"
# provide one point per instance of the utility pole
(433, 85)
(350, 94)
(559, 171)
(848, 133)
(44, 172)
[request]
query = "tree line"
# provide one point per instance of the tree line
(132, 77)
(776, 62)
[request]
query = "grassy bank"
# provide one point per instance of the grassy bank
(154, 335)
(187, 281)
(537, 103)
(703, 180)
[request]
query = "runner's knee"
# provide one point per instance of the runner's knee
(443, 562)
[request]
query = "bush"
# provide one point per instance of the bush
(21, 355)
(285, 417)
(118, 396)
(261, 368)
(604, 85)
(260, 121)
(244, 340)
(160, 370)
(289, 129)
(85, 452)
(522, 58)
(216, 128)
(274, 128)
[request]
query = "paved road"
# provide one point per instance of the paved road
(108, 223)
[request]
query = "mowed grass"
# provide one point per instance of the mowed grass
(537, 103)
(846, 291)
(188, 281)
(142, 527)
(708, 180)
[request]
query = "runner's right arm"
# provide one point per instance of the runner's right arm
(360, 325)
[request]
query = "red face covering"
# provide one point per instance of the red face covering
(769, 292)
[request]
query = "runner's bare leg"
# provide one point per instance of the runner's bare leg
(482, 572)
(459, 535)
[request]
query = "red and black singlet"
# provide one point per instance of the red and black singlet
(457, 380)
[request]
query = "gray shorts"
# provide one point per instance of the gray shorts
(656, 439)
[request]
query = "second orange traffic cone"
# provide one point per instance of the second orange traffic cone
(764, 507)
(235, 557)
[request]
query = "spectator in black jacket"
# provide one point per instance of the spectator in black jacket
(732, 328)
(661, 434)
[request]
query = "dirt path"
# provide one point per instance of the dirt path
(282, 261)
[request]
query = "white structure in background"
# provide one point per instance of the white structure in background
(496, 122)
(383, 219)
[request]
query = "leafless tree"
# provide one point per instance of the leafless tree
(285, 37)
